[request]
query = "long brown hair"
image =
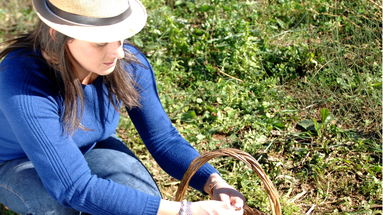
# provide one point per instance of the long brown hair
(119, 83)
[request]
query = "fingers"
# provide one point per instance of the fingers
(233, 202)
(227, 209)
(237, 203)
(229, 196)
(225, 198)
(232, 198)
(228, 192)
(230, 209)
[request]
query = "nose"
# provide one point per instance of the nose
(117, 49)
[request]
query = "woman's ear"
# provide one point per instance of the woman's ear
(52, 33)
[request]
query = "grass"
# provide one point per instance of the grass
(295, 83)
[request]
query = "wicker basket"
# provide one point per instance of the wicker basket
(240, 155)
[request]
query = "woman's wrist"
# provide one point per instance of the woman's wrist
(169, 207)
(212, 182)
(174, 208)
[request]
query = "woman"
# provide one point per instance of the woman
(61, 88)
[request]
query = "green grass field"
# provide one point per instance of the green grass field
(297, 84)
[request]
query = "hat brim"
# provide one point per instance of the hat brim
(128, 27)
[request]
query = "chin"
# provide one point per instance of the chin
(107, 72)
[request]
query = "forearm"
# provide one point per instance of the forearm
(169, 207)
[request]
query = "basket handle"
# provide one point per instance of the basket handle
(240, 155)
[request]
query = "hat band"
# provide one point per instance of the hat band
(87, 20)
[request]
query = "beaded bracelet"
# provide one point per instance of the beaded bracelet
(185, 208)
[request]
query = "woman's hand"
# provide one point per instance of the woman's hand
(208, 207)
(226, 200)
(220, 190)
(212, 207)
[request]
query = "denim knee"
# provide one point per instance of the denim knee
(121, 168)
(21, 191)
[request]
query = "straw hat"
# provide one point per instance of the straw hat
(93, 20)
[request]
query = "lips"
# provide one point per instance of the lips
(110, 64)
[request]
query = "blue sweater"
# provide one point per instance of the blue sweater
(30, 125)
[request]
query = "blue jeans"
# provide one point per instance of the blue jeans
(22, 191)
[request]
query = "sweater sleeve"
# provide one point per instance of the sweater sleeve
(29, 104)
(172, 152)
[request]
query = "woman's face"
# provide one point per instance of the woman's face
(93, 59)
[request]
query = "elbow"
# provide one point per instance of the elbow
(75, 194)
